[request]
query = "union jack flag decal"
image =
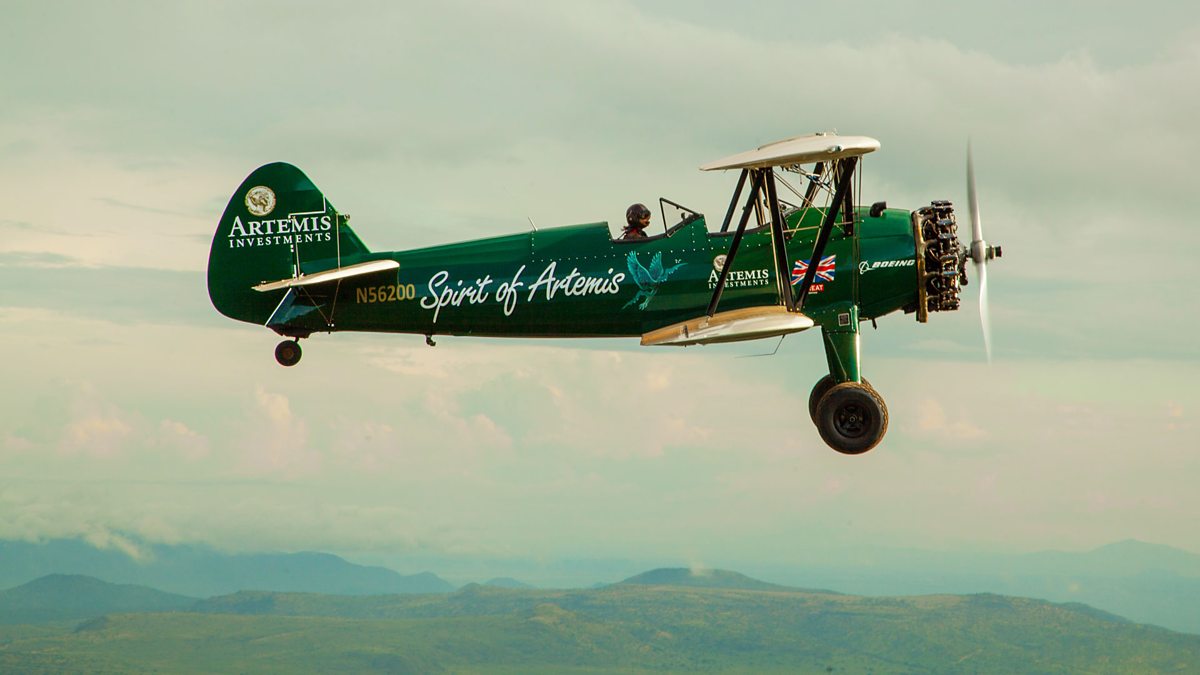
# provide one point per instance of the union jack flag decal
(824, 270)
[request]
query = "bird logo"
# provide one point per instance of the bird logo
(647, 279)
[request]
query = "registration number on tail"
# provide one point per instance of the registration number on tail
(385, 293)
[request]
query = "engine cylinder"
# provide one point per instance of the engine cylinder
(940, 259)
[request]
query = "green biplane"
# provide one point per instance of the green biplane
(283, 257)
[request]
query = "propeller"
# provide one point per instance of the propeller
(980, 253)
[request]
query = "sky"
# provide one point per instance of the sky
(133, 413)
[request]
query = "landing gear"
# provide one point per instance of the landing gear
(851, 417)
(849, 413)
(821, 388)
(287, 353)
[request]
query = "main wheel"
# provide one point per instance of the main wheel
(819, 390)
(852, 418)
(287, 353)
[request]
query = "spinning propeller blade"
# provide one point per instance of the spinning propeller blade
(981, 272)
(979, 252)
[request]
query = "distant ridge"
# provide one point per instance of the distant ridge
(58, 597)
(1145, 582)
(702, 578)
(508, 582)
(204, 572)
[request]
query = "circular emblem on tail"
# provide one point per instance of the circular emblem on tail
(260, 200)
(719, 262)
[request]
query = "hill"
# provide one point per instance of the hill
(61, 596)
(701, 578)
(622, 628)
(1148, 583)
(202, 572)
(1124, 558)
(508, 582)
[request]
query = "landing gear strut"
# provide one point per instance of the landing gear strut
(287, 353)
(850, 415)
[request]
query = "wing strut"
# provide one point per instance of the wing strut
(764, 180)
(779, 244)
(756, 185)
(737, 192)
(814, 183)
(843, 185)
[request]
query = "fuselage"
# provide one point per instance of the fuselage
(576, 281)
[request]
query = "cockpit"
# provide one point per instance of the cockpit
(670, 212)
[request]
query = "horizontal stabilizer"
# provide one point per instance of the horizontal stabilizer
(335, 274)
(751, 323)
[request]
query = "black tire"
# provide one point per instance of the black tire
(852, 418)
(288, 353)
(819, 390)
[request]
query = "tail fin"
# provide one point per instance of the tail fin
(276, 223)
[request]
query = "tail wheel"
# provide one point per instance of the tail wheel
(287, 353)
(821, 388)
(852, 418)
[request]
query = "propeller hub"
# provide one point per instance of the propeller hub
(980, 251)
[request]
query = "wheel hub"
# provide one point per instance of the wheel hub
(851, 420)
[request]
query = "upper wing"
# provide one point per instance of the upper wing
(798, 150)
(369, 267)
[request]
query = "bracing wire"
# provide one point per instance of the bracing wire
(773, 351)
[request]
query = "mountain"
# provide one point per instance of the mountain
(702, 578)
(507, 582)
(71, 596)
(1125, 558)
(1148, 583)
(201, 571)
(621, 628)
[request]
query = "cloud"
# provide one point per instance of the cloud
(15, 444)
(1177, 419)
(276, 442)
(177, 435)
(615, 404)
(96, 435)
(104, 539)
(36, 260)
(933, 421)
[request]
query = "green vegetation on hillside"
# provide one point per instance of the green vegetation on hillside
(622, 628)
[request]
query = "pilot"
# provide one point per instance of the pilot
(637, 219)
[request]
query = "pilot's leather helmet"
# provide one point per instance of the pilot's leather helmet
(635, 213)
